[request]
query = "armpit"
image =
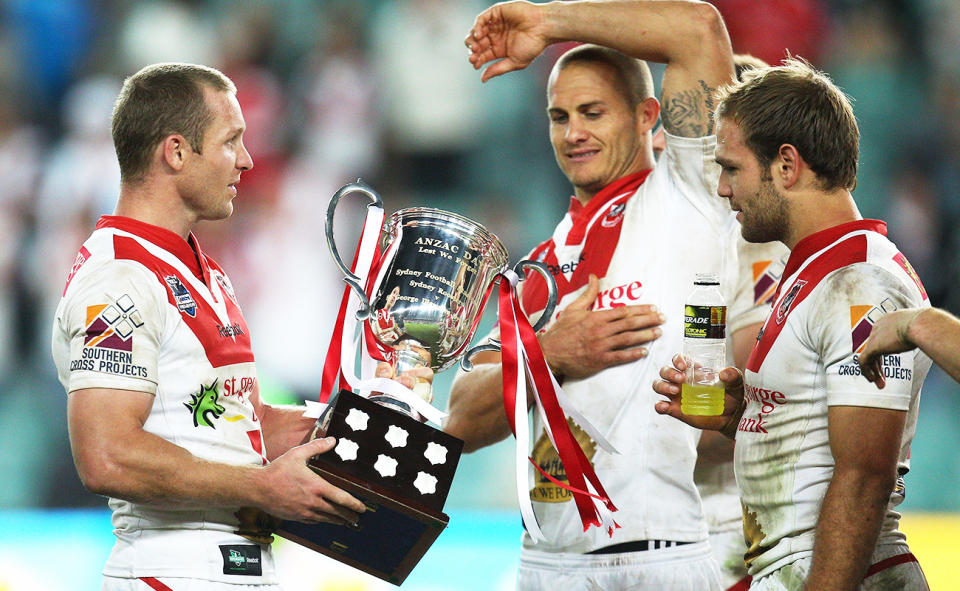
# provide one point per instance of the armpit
(689, 113)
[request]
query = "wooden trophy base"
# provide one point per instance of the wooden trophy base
(400, 468)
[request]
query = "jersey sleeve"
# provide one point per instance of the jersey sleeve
(696, 174)
(850, 301)
(110, 324)
(758, 272)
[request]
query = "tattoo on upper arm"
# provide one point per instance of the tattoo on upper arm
(689, 113)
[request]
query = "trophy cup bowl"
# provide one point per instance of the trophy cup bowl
(432, 280)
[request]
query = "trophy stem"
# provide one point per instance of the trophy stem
(407, 354)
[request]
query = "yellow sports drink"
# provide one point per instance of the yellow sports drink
(696, 400)
(704, 347)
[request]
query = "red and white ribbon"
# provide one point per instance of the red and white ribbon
(519, 344)
(340, 361)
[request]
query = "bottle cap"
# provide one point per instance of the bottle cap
(707, 279)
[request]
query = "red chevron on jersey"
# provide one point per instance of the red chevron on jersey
(847, 252)
(224, 345)
(908, 269)
(596, 228)
(78, 262)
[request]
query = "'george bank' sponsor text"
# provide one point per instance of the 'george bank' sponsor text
(108, 361)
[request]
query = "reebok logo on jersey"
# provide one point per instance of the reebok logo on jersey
(862, 319)
(111, 326)
(180, 295)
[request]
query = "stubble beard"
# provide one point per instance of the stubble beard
(768, 217)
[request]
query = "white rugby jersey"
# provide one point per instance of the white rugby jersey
(837, 283)
(645, 237)
(144, 311)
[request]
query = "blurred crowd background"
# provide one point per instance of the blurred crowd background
(382, 90)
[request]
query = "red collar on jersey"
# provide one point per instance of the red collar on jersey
(819, 240)
(191, 256)
(582, 214)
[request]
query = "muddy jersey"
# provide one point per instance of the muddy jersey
(145, 310)
(645, 237)
(837, 283)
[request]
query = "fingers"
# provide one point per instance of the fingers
(873, 371)
(411, 378)
(585, 300)
(384, 370)
(340, 502)
(731, 377)
(316, 446)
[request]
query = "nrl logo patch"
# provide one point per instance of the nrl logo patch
(613, 216)
(784, 308)
(180, 294)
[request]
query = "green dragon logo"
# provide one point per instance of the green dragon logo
(204, 403)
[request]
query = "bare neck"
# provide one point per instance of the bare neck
(149, 203)
(818, 211)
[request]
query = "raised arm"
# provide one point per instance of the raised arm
(689, 37)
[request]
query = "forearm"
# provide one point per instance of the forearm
(937, 333)
(148, 469)
(283, 427)
(851, 516)
(645, 30)
(714, 448)
(475, 409)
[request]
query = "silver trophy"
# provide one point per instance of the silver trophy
(434, 275)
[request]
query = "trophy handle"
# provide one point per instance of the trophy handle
(493, 344)
(348, 276)
(551, 289)
(490, 345)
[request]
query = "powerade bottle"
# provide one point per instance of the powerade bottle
(704, 347)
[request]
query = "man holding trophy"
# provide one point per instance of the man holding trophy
(150, 343)
(636, 233)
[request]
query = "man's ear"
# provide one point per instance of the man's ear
(173, 150)
(647, 112)
(787, 166)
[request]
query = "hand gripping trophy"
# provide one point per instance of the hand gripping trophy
(414, 297)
